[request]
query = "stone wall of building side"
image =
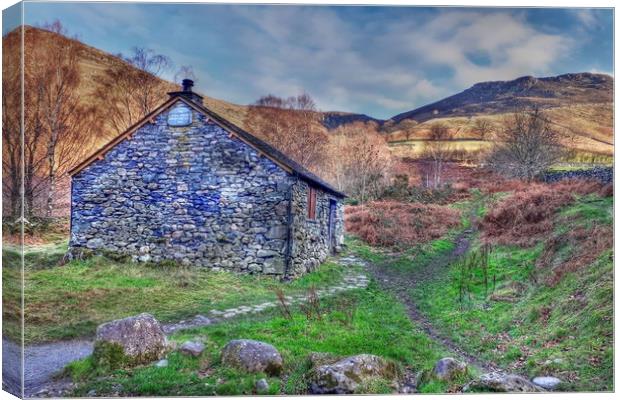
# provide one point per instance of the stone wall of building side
(311, 238)
(191, 194)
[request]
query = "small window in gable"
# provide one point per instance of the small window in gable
(311, 203)
(180, 115)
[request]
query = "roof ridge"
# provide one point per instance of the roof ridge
(259, 144)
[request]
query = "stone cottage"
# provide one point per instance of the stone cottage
(185, 184)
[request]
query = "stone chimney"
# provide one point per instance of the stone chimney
(187, 92)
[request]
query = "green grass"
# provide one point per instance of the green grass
(11, 292)
(70, 301)
(360, 321)
(526, 324)
(529, 325)
(589, 210)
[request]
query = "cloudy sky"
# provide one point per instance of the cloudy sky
(375, 60)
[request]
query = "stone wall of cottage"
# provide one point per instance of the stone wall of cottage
(190, 194)
(311, 240)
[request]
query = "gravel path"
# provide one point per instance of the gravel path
(43, 361)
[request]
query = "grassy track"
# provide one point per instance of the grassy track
(70, 301)
(523, 323)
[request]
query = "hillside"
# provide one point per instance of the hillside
(579, 106)
(506, 96)
(93, 64)
(584, 127)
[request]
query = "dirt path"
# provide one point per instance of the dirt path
(400, 283)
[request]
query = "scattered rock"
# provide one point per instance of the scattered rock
(192, 348)
(161, 363)
(349, 374)
(547, 382)
(499, 382)
(252, 356)
(262, 385)
(140, 339)
(91, 393)
(448, 368)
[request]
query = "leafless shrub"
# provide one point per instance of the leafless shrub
(131, 89)
(439, 150)
(312, 306)
(284, 304)
(483, 127)
(527, 146)
(292, 125)
(360, 162)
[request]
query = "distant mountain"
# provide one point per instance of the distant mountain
(334, 119)
(506, 96)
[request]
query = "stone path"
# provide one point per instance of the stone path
(349, 282)
(43, 361)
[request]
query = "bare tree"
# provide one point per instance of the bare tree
(483, 126)
(57, 126)
(292, 125)
(528, 146)
(360, 162)
(67, 122)
(60, 122)
(11, 125)
(439, 150)
(133, 88)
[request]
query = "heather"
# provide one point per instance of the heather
(392, 223)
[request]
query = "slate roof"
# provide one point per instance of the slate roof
(263, 147)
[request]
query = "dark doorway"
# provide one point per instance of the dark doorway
(332, 222)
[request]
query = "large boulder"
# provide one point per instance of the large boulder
(448, 368)
(351, 374)
(252, 356)
(500, 382)
(132, 340)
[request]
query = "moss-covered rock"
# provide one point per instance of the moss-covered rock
(353, 374)
(130, 341)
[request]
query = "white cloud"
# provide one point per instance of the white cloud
(587, 17)
(390, 63)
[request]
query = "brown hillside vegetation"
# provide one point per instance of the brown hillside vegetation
(392, 223)
(585, 127)
(588, 243)
(524, 92)
(527, 216)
